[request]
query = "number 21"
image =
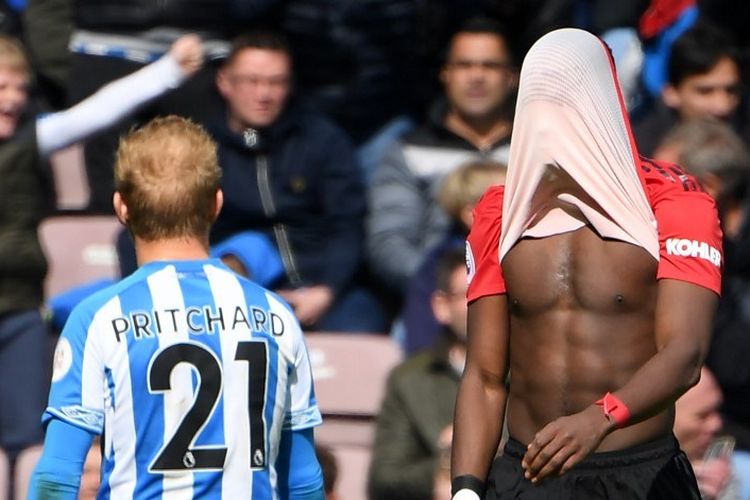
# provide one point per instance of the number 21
(178, 454)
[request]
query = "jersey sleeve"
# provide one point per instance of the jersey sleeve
(77, 390)
(300, 474)
(482, 247)
(690, 239)
(302, 410)
(58, 473)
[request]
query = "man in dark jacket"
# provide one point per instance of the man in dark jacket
(413, 426)
(291, 174)
(473, 122)
(114, 37)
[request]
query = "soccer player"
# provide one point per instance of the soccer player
(197, 379)
(594, 277)
(25, 141)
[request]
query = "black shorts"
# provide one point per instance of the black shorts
(657, 470)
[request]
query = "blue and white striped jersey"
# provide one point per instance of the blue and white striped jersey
(190, 373)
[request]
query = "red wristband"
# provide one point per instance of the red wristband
(614, 408)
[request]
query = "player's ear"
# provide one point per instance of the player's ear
(219, 203)
(121, 209)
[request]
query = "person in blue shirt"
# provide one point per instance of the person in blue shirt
(197, 379)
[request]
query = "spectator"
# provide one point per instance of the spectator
(23, 336)
(703, 82)
(292, 175)
(712, 152)
(720, 160)
(697, 425)
(419, 397)
(458, 194)
(472, 122)
(663, 22)
(113, 38)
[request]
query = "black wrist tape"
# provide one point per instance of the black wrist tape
(467, 481)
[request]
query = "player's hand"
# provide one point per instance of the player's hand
(188, 52)
(713, 476)
(564, 442)
(309, 303)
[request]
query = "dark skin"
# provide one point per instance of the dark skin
(582, 316)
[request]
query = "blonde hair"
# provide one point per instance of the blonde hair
(465, 185)
(13, 56)
(167, 173)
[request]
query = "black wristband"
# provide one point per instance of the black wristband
(467, 481)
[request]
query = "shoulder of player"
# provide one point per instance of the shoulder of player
(252, 291)
(492, 200)
(275, 301)
(90, 306)
(256, 296)
(489, 208)
(249, 287)
(668, 185)
(660, 178)
(283, 311)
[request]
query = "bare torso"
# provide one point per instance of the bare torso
(581, 323)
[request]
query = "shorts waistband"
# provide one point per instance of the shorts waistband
(655, 450)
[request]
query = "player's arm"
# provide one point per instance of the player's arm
(298, 470)
(75, 412)
(57, 475)
(684, 321)
(299, 473)
(480, 404)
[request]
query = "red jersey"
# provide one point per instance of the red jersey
(690, 238)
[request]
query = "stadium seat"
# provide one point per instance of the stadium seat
(350, 372)
(79, 249)
(4, 476)
(70, 181)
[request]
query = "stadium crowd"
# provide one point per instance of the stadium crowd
(349, 135)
